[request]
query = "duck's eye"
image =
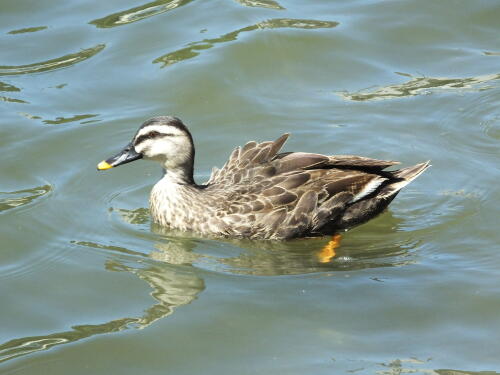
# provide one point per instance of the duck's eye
(153, 134)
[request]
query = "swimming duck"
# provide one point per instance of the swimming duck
(261, 193)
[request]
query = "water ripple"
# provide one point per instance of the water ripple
(480, 113)
(194, 48)
(49, 65)
(28, 30)
(462, 372)
(398, 366)
(421, 86)
(171, 287)
(491, 127)
(117, 249)
(14, 199)
(376, 244)
(12, 100)
(445, 209)
(415, 365)
(64, 120)
(270, 4)
(304, 257)
(8, 87)
(135, 216)
(29, 116)
(138, 13)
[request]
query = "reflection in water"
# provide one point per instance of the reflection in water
(410, 365)
(174, 282)
(401, 366)
(58, 63)
(137, 216)
(193, 48)
(370, 248)
(138, 13)
(261, 258)
(460, 372)
(29, 116)
(171, 287)
(7, 87)
(13, 199)
(378, 243)
(261, 4)
(64, 120)
(27, 30)
(414, 366)
(10, 88)
(12, 100)
(421, 85)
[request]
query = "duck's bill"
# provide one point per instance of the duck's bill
(125, 156)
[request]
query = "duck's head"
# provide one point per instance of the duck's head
(164, 139)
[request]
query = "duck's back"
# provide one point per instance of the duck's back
(260, 193)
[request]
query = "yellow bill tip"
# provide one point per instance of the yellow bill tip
(103, 165)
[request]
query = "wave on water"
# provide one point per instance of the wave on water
(171, 288)
(421, 86)
(194, 48)
(270, 4)
(138, 13)
(27, 30)
(64, 120)
(14, 199)
(53, 64)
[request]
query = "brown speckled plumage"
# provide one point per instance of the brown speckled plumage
(261, 193)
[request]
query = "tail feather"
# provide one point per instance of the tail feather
(404, 176)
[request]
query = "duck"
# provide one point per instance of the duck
(261, 192)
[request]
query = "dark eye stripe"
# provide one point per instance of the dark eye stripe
(150, 135)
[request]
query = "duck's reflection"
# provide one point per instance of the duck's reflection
(171, 269)
(376, 244)
(171, 287)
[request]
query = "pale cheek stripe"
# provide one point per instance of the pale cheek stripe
(159, 129)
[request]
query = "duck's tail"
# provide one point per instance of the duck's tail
(369, 207)
(403, 177)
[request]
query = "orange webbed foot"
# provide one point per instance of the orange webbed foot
(327, 253)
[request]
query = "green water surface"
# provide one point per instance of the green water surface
(89, 286)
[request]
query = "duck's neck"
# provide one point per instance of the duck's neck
(179, 176)
(179, 170)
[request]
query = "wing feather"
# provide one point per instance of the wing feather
(285, 195)
(251, 156)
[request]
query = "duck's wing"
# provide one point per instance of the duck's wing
(284, 195)
(290, 204)
(257, 161)
(245, 159)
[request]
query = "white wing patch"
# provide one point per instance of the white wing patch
(368, 189)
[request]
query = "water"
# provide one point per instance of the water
(89, 285)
